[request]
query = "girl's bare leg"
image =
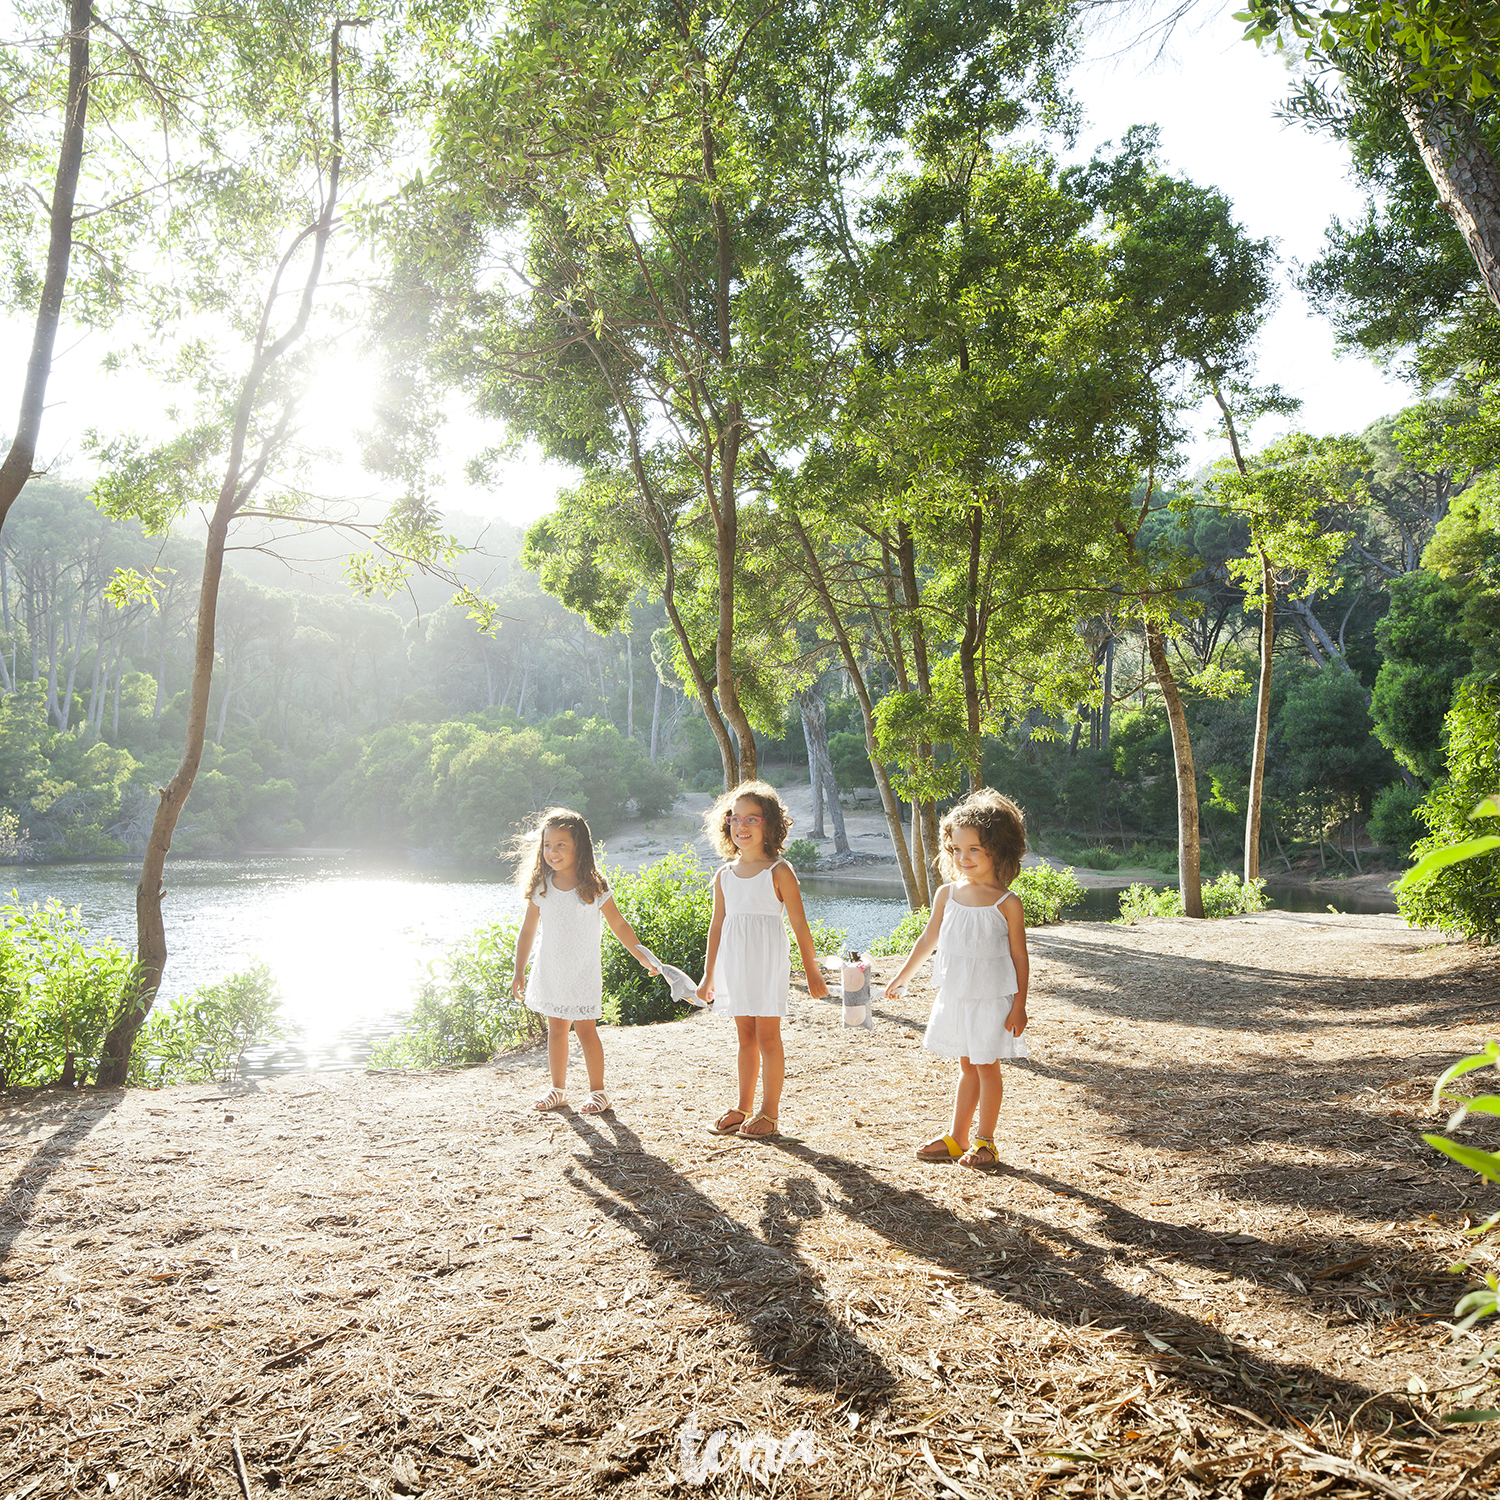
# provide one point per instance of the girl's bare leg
(592, 1047)
(991, 1093)
(773, 1063)
(749, 1062)
(965, 1101)
(557, 1050)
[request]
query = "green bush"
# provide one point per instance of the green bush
(203, 1037)
(670, 904)
(464, 1011)
(1394, 824)
(1463, 896)
(58, 992)
(903, 936)
(802, 854)
(826, 940)
(1046, 893)
(1100, 857)
(1228, 896)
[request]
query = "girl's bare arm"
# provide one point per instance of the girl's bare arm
(785, 881)
(624, 931)
(706, 987)
(923, 947)
(1015, 919)
(523, 949)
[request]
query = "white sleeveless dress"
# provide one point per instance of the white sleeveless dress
(567, 974)
(976, 984)
(753, 968)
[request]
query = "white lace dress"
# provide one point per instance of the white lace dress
(976, 984)
(567, 977)
(753, 967)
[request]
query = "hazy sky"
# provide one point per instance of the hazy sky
(1213, 97)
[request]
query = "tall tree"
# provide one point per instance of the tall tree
(247, 438)
(1193, 291)
(673, 186)
(1285, 495)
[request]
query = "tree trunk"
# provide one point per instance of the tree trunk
(17, 468)
(629, 691)
(1107, 712)
(656, 720)
(1463, 171)
(241, 475)
(224, 702)
(888, 803)
(1188, 881)
(806, 700)
(1262, 719)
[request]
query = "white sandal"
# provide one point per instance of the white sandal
(598, 1104)
(552, 1099)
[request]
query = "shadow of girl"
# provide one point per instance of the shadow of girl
(763, 1283)
(1220, 1369)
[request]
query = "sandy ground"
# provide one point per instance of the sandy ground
(1217, 1261)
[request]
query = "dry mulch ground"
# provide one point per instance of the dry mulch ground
(1217, 1262)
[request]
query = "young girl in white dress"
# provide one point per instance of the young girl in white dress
(566, 895)
(979, 931)
(748, 969)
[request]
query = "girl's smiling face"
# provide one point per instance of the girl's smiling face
(971, 859)
(559, 852)
(747, 826)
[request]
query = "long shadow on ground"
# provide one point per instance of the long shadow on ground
(763, 1283)
(1060, 1284)
(76, 1117)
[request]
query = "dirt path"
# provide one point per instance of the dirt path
(1217, 1260)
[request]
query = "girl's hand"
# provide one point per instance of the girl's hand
(895, 989)
(518, 987)
(817, 986)
(705, 991)
(1015, 1022)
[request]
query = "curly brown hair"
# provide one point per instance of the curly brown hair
(591, 883)
(775, 829)
(1001, 826)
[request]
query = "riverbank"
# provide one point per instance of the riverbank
(1219, 1249)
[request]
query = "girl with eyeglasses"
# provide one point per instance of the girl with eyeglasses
(748, 970)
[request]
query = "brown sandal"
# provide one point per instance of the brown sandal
(720, 1128)
(759, 1135)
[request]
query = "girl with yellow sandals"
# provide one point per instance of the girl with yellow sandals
(979, 932)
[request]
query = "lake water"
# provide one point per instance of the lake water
(349, 940)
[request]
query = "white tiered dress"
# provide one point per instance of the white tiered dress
(753, 967)
(567, 974)
(976, 985)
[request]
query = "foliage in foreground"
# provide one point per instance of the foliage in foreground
(1456, 883)
(1483, 1301)
(464, 1011)
(203, 1037)
(1228, 896)
(58, 991)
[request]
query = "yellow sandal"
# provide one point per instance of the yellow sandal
(945, 1150)
(970, 1157)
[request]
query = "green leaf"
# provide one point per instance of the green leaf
(1473, 1414)
(1440, 859)
(1486, 1163)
